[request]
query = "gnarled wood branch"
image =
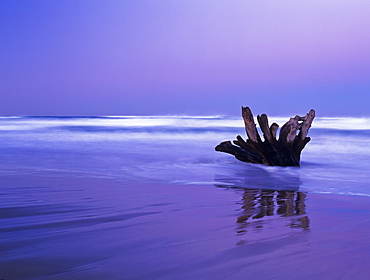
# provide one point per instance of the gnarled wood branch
(286, 151)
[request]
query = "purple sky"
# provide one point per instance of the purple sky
(133, 57)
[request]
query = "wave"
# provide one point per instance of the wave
(340, 123)
(181, 121)
(181, 148)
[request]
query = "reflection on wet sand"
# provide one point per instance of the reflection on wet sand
(260, 203)
(269, 209)
(271, 205)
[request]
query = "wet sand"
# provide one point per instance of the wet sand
(59, 226)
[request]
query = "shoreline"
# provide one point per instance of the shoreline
(169, 231)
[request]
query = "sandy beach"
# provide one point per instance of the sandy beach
(166, 231)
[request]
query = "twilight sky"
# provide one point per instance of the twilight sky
(135, 57)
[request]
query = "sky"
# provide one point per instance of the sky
(184, 57)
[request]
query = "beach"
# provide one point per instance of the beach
(104, 202)
(158, 231)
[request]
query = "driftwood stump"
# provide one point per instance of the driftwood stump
(283, 152)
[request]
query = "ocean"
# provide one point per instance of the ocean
(148, 197)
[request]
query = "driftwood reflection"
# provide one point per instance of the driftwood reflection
(272, 210)
(257, 204)
(271, 205)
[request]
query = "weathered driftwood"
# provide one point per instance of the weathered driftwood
(283, 152)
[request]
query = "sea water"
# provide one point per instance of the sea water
(180, 149)
(148, 197)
